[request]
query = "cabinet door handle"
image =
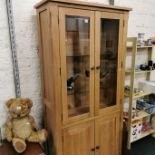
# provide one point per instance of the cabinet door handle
(93, 149)
(98, 67)
(97, 147)
(92, 68)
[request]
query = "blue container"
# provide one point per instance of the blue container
(146, 106)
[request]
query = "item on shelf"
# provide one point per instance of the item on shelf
(140, 41)
(127, 88)
(150, 98)
(103, 74)
(146, 127)
(137, 67)
(87, 72)
(126, 109)
(136, 128)
(147, 86)
(149, 107)
(136, 90)
(153, 42)
(134, 112)
(71, 80)
(148, 42)
(20, 126)
(125, 114)
(150, 65)
(143, 67)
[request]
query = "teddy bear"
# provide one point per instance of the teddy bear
(20, 126)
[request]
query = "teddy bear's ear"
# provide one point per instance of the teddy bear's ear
(9, 102)
(29, 102)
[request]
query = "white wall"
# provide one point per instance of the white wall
(142, 19)
(27, 50)
(6, 73)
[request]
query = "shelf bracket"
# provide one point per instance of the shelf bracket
(13, 48)
(111, 2)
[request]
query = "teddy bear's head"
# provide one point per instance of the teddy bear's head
(19, 107)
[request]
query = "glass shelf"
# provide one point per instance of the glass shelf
(78, 111)
(77, 55)
(139, 72)
(138, 95)
(77, 93)
(140, 47)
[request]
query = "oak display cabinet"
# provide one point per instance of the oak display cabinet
(82, 52)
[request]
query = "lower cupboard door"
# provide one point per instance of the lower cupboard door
(107, 138)
(79, 139)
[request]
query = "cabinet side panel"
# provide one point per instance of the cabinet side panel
(56, 74)
(44, 64)
(43, 21)
(49, 58)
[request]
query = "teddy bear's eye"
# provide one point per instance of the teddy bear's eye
(24, 106)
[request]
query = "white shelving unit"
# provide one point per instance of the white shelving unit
(133, 96)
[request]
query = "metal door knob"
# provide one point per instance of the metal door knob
(93, 149)
(97, 147)
(98, 67)
(92, 68)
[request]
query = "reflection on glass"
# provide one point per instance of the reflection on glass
(77, 61)
(108, 62)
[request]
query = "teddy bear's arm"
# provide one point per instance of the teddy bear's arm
(33, 123)
(8, 130)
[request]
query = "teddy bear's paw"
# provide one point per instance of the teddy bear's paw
(19, 145)
(42, 135)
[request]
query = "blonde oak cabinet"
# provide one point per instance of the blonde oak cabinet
(82, 53)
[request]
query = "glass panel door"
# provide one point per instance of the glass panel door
(78, 66)
(107, 60)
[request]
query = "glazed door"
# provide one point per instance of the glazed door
(79, 139)
(108, 59)
(107, 135)
(77, 63)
